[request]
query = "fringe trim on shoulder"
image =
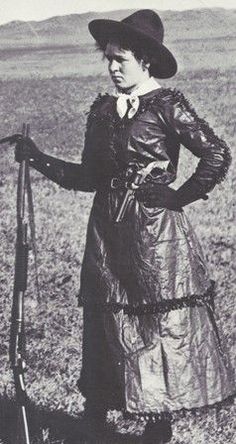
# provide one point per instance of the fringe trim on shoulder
(95, 111)
(161, 307)
(99, 100)
(209, 133)
(109, 119)
(175, 97)
(176, 414)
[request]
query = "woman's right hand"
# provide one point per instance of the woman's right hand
(26, 149)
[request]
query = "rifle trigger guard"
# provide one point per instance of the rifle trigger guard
(115, 183)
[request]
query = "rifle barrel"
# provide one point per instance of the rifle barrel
(17, 321)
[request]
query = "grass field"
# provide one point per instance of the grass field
(56, 110)
(81, 60)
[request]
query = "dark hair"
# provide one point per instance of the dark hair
(136, 45)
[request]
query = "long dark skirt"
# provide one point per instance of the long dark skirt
(151, 343)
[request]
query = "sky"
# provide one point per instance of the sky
(42, 9)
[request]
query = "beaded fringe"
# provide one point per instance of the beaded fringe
(176, 97)
(181, 413)
(157, 307)
(211, 137)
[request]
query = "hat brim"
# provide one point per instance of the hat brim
(104, 30)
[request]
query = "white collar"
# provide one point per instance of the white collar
(147, 86)
(133, 98)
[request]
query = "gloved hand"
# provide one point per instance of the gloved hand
(158, 195)
(26, 149)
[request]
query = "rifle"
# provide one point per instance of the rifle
(17, 339)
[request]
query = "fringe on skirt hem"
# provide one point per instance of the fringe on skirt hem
(181, 413)
(157, 307)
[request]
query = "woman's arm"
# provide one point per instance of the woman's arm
(196, 135)
(183, 124)
(66, 174)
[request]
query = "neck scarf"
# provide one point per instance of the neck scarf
(131, 101)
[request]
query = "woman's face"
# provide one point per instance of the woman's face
(125, 70)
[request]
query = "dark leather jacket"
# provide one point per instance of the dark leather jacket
(164, 121)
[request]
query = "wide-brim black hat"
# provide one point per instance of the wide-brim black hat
(144, 26)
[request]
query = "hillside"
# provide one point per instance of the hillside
(73, 29)
(62, 46)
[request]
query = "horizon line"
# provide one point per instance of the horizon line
(113, 10)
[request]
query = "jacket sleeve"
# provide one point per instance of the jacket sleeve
(69, 175)
(196, 135)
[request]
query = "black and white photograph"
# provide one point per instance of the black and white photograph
(117, 228)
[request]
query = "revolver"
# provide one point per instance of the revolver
(138, 179)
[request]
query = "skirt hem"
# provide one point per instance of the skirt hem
(180, 413)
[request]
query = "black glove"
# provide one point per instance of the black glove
(68, 175)
(26, 149)
(162, 196)
(190, 191)
(15, 138)
(158, 195)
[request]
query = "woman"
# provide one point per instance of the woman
(151, 345)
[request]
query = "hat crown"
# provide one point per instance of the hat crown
(146, 21)
(143, 28)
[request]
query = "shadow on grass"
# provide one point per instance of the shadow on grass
(54, 427)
